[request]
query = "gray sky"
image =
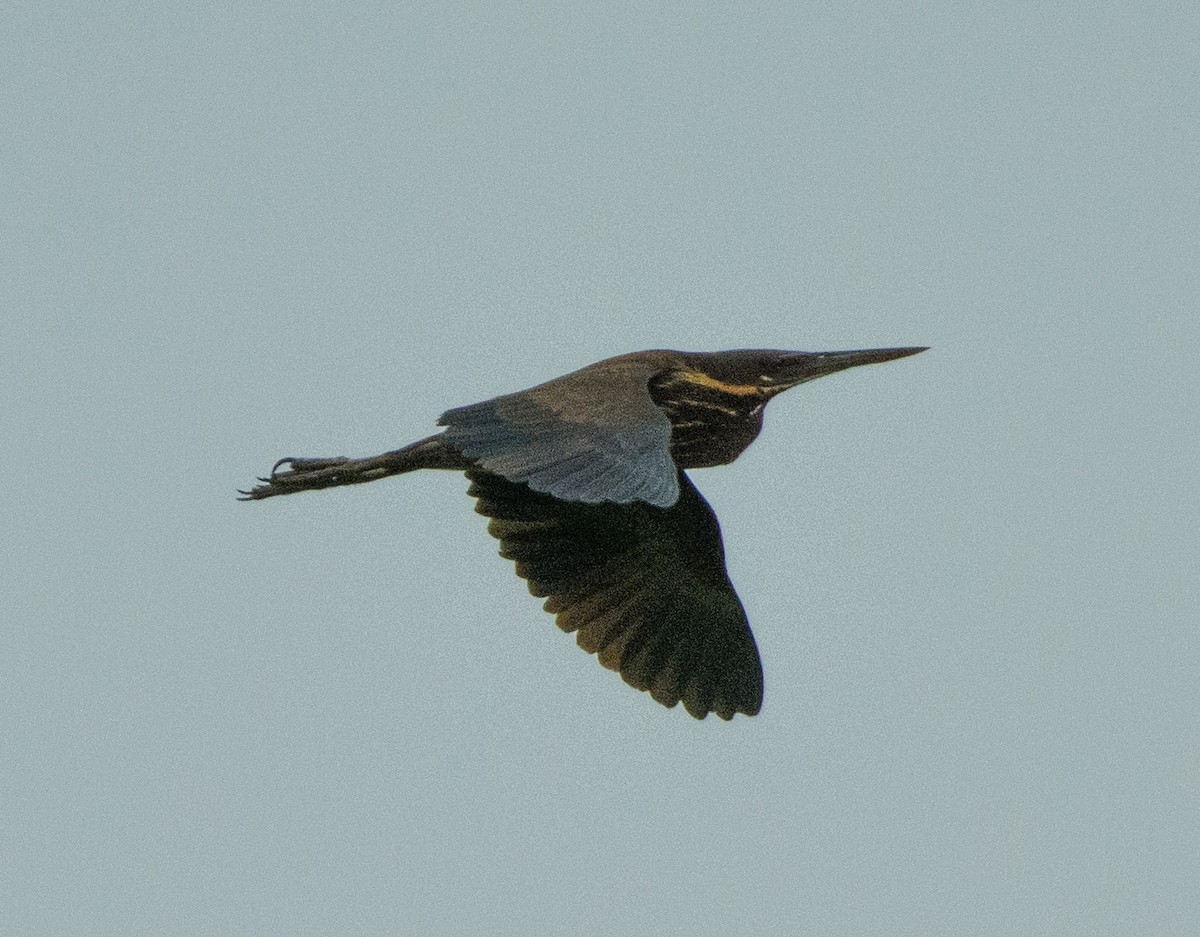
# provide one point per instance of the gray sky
(233, 234)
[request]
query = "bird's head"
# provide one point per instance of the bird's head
(765, 373)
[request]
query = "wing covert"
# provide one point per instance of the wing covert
(591, 436)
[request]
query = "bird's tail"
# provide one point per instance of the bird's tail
(292, 474)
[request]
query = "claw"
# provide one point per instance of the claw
(297, 466)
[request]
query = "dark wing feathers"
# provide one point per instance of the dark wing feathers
(591, 436)
(644, 588)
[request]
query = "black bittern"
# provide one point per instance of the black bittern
(584, 484)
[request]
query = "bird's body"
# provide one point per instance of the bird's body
(583, 479)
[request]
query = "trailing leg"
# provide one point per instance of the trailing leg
(290, 475)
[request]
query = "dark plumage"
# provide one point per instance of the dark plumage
(582, 479)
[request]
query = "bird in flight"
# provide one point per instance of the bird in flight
(583, 479)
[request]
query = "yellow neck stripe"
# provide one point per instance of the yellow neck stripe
(740, 390)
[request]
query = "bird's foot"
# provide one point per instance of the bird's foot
(292, 474)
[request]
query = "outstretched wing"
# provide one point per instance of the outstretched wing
(591, 436)
(645, 588)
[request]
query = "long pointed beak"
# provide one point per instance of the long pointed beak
(800, 366)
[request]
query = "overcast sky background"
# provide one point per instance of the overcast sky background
(234, 232)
